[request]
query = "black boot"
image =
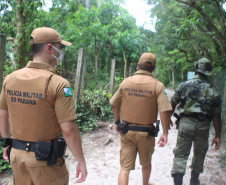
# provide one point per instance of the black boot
(194, 178)
(178, 178)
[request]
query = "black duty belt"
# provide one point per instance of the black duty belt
(199, 116)
(140, 128)
(124, 127)
(23, 145)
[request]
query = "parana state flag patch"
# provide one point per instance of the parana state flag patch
(67, 91)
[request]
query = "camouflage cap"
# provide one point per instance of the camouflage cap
(204, 66)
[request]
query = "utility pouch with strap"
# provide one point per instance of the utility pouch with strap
(45, 151)
(42, 151)
(50, 151)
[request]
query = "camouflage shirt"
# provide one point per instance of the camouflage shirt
(197, 96)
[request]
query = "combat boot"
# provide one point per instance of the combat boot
(178, 178)
(194, 178)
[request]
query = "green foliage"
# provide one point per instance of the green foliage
(93, 106)
(4, 165)
(8, 67)
(183, 35)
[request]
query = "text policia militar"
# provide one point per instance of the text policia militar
(138, 92)
(22, 97)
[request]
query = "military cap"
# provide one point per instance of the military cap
(148, 59)
(204, 66)
(46, 35)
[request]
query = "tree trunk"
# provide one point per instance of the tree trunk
(108, 62)
(125, 65)
(2, 56)
(130, 69)
(20, 36)
(182, 75)
(173, 76)
(87, 4)
(220, 37)
(97, 55)
(99, 3)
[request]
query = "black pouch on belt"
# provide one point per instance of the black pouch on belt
(52, 159)
(42, 151)
(61, 147)
(123, 127)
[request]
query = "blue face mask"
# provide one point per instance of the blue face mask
(59, 60)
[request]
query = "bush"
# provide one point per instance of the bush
(93, 106)
(4, 165)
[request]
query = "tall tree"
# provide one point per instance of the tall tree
(24, 15)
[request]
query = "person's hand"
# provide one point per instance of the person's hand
(116, 128)
(216, 141)
(162, 140)
(81, 172)
(5, 156)
(171, 124)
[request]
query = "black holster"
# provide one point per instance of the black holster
(50, 151)
(7, 142)
(178, 117)
(157, 128)
(154, 130)
(123, 127)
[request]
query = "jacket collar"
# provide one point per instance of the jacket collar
(202, 77)
(44, 66)
(143, 72)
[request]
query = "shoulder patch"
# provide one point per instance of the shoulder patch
(165, 92)
(67, 91)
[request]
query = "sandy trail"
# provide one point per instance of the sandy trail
(101, 150)
(103, 160)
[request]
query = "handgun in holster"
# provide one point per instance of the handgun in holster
(154, 130)
(157, 128)
(177, 121)
(7, 142)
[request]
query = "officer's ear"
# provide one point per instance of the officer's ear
(48, 48)
(138, 65)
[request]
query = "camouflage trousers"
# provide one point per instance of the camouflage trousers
(191, 131)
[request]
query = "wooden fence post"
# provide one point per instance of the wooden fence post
(112, 77)
(130, 69)
(2, 56)
(84, 69)
(78, 75)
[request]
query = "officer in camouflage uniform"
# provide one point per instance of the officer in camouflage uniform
(199, 103)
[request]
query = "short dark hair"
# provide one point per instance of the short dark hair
(37, 48)
(146, 68)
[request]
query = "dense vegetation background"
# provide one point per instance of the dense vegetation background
(186, 30)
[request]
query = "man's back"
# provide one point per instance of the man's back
(197, 96)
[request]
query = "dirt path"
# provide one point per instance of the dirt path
(101, 150)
